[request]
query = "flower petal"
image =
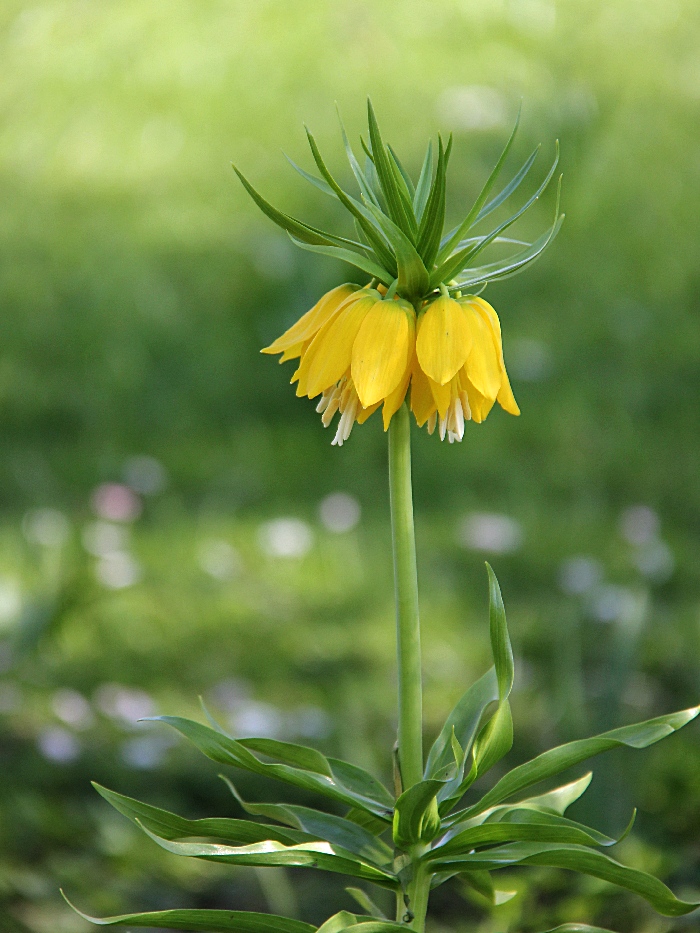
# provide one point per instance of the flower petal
(422, 401)
(442, 396)
(310, 323)
(505, 397)
(382, 350)
(330, 352)
(482, 365)
(444, 339)
(479, 405)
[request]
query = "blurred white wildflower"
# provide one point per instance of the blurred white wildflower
(339, 512)
(285, 537)
(490, 533)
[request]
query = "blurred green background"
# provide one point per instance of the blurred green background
(175, 523)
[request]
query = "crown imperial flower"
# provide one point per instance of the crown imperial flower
(415, 330)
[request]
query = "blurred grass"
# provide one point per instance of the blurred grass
(137, 284)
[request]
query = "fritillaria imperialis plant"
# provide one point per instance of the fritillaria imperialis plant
(414, 337)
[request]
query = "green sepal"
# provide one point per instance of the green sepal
(321, 855)
(227, 751)
(396, 208)
(366, 903)
(332, 828)
(556, 760)
(301, 231)
(433, 218)
(575, 858)
(416, 817)
(208, 921)
(171, 826)
(456, 235)
(420, 198)
(345, 255)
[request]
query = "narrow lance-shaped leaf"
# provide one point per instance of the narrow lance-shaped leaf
(208, 921)
(510, 188)
(387, 181)
(513, 265)
(363, 217)
(470, 219)
(366, 903)
(321, 855)
(298, 229)
(433, 218)
(576, 858)
(558, 759)
(344, 920)
(364, 186)
(423, 187)
(354, 259)
(454, 264)
(334, 829)
(312, 179)
(416, 817)
(463, 721)
(171, 826)
(412, 274)
(555, 801)
(228, 751)
(496, 736)
(410, 190)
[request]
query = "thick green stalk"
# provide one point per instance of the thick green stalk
(406, 585)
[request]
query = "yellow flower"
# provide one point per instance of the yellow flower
(359, 350)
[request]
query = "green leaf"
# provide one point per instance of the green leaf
(208, 921)
(558, 759)
(312, 179)
(171, 826)
(424, 183)
(300, 756)
(299, 230)
(510, 188)
(410, 190)
(359, 212)
(334, 829)
(524, 825)
(416, 818)
(576, 858)
(321, 855)
(387, 180)
(365, 188)
(354, 259)
(482, 883)
(456, 235)
(360, 782)
(493, 742)
(464, 721)
(578, 928)
(366, 903)
(227, 751)
(413, 276)
(457, 262)
(500, 640)
(433, 218)
(505, 268)
(344, 920)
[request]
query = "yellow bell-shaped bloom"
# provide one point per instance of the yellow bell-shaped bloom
(359, 350)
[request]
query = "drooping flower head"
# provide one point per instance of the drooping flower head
(416, 329)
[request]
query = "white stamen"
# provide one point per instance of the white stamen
(432, 421)
(443, 428)
(328, 414)
(463, 397)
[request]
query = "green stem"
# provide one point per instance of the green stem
(406, 585)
